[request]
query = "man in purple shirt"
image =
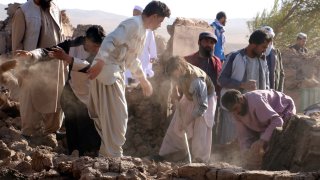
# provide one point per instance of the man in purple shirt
(257, 114)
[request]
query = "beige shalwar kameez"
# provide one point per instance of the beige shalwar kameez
(107, 104)
(41, 83)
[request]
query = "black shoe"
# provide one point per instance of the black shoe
(60, 135)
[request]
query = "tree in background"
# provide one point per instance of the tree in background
(288, 18)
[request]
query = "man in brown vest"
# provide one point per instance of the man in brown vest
(194, 114)
(37, 24)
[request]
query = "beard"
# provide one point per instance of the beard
(244, 108)
(205, 51)
(45, 4)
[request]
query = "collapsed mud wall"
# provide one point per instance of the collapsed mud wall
(302, 78)
(296, 147)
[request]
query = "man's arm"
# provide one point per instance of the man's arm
(18, 30)
(266, 114)
(119, 38)
(225, 79)
(244, 136)
(198, 89)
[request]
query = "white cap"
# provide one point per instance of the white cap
(138, 8)
(268, 30)
(302, 35)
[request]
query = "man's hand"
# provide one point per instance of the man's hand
(258, 146)
(58, 53)
(249, 85)
(146, 86)
(95, 70)
(22, 54)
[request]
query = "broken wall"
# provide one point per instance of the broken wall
(302, 78)
(184, 36)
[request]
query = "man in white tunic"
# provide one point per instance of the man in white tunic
(149, 53)
(119, 51)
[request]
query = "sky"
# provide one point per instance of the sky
(205, 9)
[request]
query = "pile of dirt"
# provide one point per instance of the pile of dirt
(295, 148)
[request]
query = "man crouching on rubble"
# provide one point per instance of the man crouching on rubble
(257, 114)
(194, 113)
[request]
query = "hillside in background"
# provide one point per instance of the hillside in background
(236, 29)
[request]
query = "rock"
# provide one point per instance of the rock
(24, 167)
(226, 174)
(5, 152)
(10, 134)
(19, 145)
(296, 148)
(19, 156)
(102, 165)
(11, 174)
(261, 175)
(50, 140)
(41, 159)
(212, 174)
(81, 164)
(193, 171)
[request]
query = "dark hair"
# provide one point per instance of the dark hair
(259, 37)
(221, 15)
(95, 33)
(157, 7)
(230, 98)
(174, 63)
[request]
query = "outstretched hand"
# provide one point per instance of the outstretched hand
(59, 53)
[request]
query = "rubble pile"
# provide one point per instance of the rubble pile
(295, 148)
(5, 29)
(302, 78)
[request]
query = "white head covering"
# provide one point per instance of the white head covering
(271, 34)
(138, 8)
(302, 35)
(268, 30)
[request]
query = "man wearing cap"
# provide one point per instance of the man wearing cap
(274, 60)
(205, 58)
(245, 70)
(218, 26)
(149, 52)
(299, 47)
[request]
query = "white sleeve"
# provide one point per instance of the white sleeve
(79, 64)
(152, 46)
